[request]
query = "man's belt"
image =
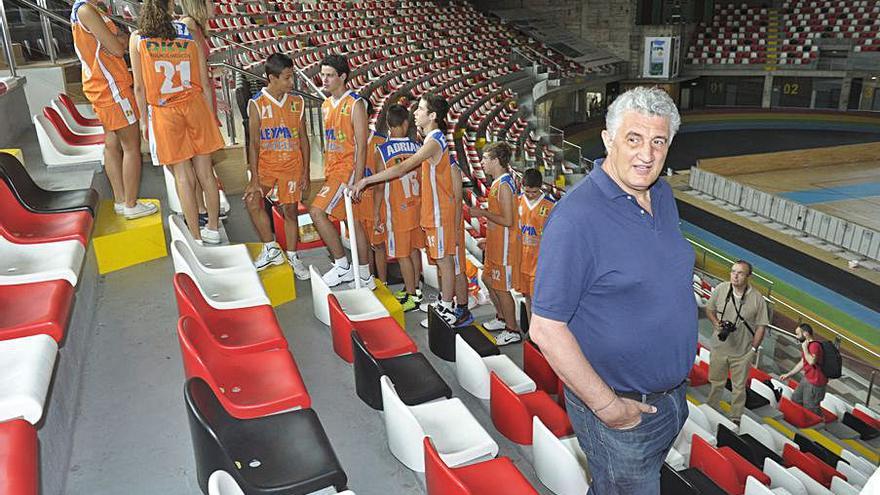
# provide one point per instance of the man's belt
(649, 397)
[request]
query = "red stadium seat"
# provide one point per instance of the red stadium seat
(30, 309)
(761, 376)
(866, 418)
(810, 464)
(797, 414)
(536, 366)
(66, 134)
(71, 107)
(248, 385)
(512, 414)
(498, 476)
(724, 466)
(242, 330)
(19, 466)
(383, 336)
(22, 226)
(699, 374)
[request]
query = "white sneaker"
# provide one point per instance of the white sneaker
(269, 255)
(447, 314)
(119, 208)
(427, 302)
(424, 323)
(336, 275)
(140, 209)
(507, 337)
(369, 283)
(299, 268)
(494, 325)
(210, 236)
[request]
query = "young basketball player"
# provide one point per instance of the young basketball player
(172, 87)
(279, 161)
(345, 153)
(441, 206)
(370, 209)
(534, 208)
(106, 83)
(402, 203)
(502, 251)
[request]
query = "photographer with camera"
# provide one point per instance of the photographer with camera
(739, 315)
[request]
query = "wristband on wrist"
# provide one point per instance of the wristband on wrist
(606, 406)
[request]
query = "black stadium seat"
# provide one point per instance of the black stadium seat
(415, 380)
(747, 447)
(807, 445)
(287, 453)
(866, 432)
(39, 200)
(689, 481)
(441, 338)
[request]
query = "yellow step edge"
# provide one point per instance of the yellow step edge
(866, 452)
(822, 440)
(781, 428)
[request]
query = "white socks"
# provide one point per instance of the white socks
(364, 271)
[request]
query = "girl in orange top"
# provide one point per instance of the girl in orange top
(501, 269)
(441, 195)
(100, 46)
(196, 14)
(172, 88)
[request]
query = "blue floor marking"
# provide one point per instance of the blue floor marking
(828, 194)
(822, 293)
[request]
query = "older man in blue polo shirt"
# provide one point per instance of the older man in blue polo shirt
(614, 311)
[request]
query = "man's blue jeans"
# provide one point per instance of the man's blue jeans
(628, 462)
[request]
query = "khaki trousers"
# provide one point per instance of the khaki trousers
(738, 367)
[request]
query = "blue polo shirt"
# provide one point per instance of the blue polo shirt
(621, 278)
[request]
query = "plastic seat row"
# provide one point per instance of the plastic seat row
(43, 237)
(252, 427)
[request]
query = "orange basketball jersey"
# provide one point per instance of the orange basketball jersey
(279, 131)
(532, 216)
(172, 74)
(365, 207)
(104, 75)
(438, 205)
(339, 145)
(402, 195)
(501, 242)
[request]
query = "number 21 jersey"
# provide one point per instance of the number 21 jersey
(170, 68)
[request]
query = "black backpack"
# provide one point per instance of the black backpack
(832, 363)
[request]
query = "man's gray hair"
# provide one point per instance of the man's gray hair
(649, 101)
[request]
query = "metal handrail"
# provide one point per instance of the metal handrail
(874, 370)
(126, 23)
(774, 300)
(766, 280)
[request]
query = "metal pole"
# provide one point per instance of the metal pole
(47, 32)
(230, 120)
(7, 40)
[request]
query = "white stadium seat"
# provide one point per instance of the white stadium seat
(358, 304)
(472, 371)
(26, 366)
(560, 463)
(227, 290)
(28, 263)
(457, 435)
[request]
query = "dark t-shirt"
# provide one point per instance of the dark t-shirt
(621, 279)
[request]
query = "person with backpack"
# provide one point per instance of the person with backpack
(811, 389)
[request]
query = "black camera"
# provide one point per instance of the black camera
(727, 327)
